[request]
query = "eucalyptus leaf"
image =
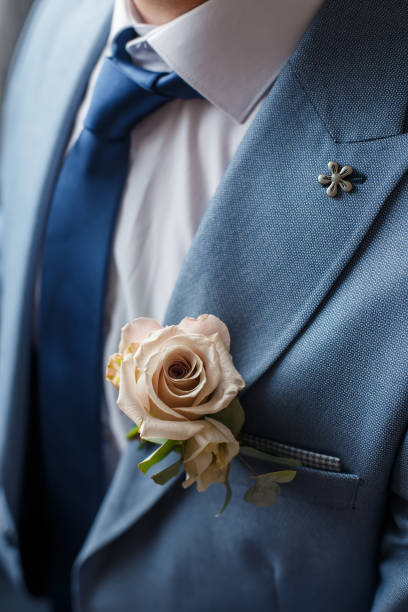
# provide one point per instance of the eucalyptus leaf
(133, 433)
(233, 416)
(283, 476)
(262, 494)
(158, 455)
(167, 474)
(257, 454)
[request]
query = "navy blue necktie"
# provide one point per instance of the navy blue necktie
(74, 276)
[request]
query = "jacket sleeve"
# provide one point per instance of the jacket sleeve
(392, 590)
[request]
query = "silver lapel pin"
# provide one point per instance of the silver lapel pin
(336, 179)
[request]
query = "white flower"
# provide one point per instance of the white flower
(208, 454)
(172, 377)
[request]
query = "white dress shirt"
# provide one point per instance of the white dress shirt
(231, 52)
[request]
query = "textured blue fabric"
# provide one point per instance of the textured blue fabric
(73, 286)
(315, 293)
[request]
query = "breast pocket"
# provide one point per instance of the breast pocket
(313, 484)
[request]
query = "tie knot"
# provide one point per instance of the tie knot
(125, 93)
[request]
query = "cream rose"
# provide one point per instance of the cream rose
(208, 454)
(171, 377)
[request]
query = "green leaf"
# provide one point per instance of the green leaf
(283, 476)
(233, 416)
(228, 495)
(133, 433)
(262, 494)
(167, 474)
(159, 454)
(257, 454)
(266, 491)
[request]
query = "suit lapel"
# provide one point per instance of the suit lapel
(272, 243)
(42, 100)
(129, 497)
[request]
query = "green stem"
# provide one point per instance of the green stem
(158, 455)
(133, 433)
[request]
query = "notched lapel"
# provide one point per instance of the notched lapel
(129, 497)
(272, 242)
(352, 62)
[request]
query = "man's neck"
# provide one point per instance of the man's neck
(162, 11)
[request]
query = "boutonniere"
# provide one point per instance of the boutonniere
(179, 385)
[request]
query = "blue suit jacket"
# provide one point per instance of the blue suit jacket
(315, 293)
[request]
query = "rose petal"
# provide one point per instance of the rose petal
(155, 343)
(228, 388)
(219, 431)
(130, 400)
(184, 356)
(136, 331)
(112, 373)
(169, 430)
(178, 398)
(197, 460)
(210, 477)
(208, 325)
(208, 454)
(205, 349)
(192, 383)
(181, 387)
(156, 407)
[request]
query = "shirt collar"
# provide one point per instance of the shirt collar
(230, 51)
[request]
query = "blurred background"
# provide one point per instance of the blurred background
(12, 16)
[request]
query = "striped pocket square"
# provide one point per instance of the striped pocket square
(307, 458)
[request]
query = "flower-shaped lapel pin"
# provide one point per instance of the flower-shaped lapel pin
(336, 179)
